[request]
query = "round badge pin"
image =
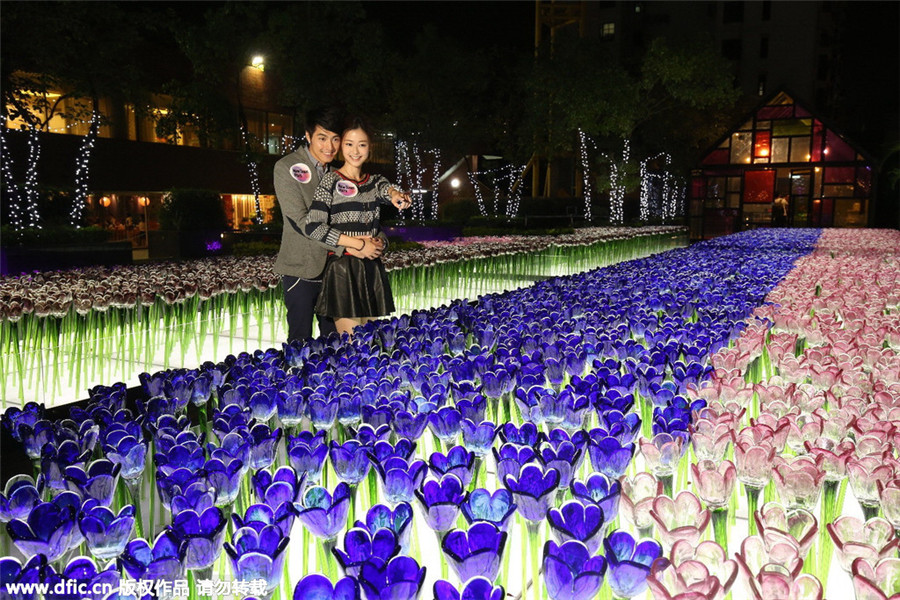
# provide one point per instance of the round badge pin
(301, 173)
(347, 189)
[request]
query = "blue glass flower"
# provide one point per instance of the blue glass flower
(497, 508)
(48, 529)
(564, 456)
(598, 489)
(126, 447)
(235, 446)
(400, 479)
(610, 457)
(258, 555)
(204, 534)
(164, 560)
(478, 439)
(629, 563)
(258, 516)
(225, 478)
(576, 521)
(55, 459)
(105, 532)
(382, 450)
(526, 435)
(196, 496)
(283, 486)
(20, 496)
(81, 571)
(400, 578)
(440, 501)
(398, 521)
(533, 490)
(445, 424)
(457, 461)
(308, 460)
(570, 572)
(263, 404)
(473, 408)
(12, 571)
(188, 455)
(371, 436)
(477, 588)
(323, 514)
(510, 459)
(410, 425)
(350, 461)
(476, 552)
(322, 411)
(14, 418)
(319, 587)
(350, 409)
(33, 437)
(290, 407)
(360, 545)
(263, 445)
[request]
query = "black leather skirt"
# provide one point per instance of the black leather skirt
(354, 288)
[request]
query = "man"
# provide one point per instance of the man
(300, 260)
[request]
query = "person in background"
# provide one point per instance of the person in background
(780, 211)
(345, 215)
(301, 260)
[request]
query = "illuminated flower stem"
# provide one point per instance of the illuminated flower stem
(752, 504)
(832, 506)
(134, 490)
(534, 541)
(720, 526)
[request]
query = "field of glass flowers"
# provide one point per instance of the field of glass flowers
(580, 438)
(68, 330)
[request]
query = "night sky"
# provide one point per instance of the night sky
(480, 23)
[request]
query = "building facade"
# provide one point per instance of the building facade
(783, 166)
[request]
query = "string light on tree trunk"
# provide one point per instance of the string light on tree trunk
(32, 215)
(435, 181)
(14, 196)
(253, 169)
(647, 188)
(617, 184)
(82, 174)
(584, 140)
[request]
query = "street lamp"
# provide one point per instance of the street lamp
(258, 62)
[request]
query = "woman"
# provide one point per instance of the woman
(345, 212)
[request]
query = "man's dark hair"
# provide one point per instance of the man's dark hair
(329, 118)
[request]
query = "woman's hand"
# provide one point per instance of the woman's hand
(400, 199)
(371, 247)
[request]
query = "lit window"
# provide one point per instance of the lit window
(608, 30)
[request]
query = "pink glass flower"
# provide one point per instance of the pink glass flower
(690, 580)
(768, 425)
(799, 482)
(803, 428)
(774, 581)
(638, 494)
(683, 518)
(881, 582)
(712, 556)
(834, 455)
(792, 526)
(889, 493)
(865, 473)
(662, 453)
(872, 540)
(755, 555)
(754, 462)
(714, 482)
(710, 440)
